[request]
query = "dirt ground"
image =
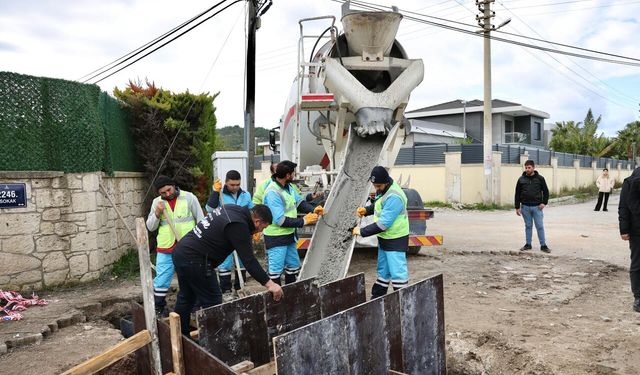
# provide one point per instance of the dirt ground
(506, 312)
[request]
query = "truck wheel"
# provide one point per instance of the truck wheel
(413, 250)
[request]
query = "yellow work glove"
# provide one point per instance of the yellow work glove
(319, 210)
(310, 218)
(256, 237)
(356, 231)
(361, 211)
(217, 185)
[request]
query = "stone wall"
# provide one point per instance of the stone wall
(68, 231)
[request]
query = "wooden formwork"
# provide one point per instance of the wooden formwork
(326, 329)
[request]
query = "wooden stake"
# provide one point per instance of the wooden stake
(241, 292)
(176, 344)
(112, 355)
(147, 294)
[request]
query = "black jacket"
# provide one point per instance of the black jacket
(629, 206)
(531, 190)
(223, 230)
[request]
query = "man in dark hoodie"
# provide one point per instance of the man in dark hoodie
(629, 220)
(532, 195)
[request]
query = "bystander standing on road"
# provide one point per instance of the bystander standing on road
(605, 187)
(532, 196)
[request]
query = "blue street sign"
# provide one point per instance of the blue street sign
(13, 195)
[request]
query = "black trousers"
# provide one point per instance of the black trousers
(198, 282)
(634, 268)
(606, 199)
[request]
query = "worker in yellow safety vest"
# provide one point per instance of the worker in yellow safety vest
(174, 214)
(391, 224)
(280, 238)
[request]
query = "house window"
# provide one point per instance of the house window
(537, 131)
(508, 132)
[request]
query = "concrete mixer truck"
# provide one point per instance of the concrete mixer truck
(345, 115)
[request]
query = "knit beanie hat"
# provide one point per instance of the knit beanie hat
(379, 175)
(163, 180)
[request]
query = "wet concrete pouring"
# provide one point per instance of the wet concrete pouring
(332, 244)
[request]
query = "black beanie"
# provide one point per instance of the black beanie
(379, 175)
(163, 180)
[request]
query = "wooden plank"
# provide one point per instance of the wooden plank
(112, 355)
(197, 361)
(166, 354)
(268, 369)
(342, 294)
(176, 344)
(368, 346)
(393, 330)
(422, 321)
(299, 306)
(147, 293)
(318, 348)
(236, 331)
(143, 362)
(242, 366)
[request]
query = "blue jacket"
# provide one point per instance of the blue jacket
(391, 208)
(242, 199)
(277, 207)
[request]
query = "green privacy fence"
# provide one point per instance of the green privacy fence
(51, 124)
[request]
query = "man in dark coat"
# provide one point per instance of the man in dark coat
(532, 196)
(629, 221)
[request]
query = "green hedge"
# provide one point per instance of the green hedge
(51, 124)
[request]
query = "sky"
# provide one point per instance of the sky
(72, 38)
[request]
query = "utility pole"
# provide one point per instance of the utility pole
(484, 20)
(250, 93)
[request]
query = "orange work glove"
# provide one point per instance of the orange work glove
(217, 185)
(256, 237)
(310, 219)
(356, 231)
(361, 211)
(319, 210)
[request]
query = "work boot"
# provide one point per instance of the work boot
(634, 277)
(545, 249)
(290, 278)
(526, 247)
(162, 312)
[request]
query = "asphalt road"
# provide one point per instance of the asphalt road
(573, 230)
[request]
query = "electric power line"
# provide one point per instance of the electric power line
(150, 43)
(165, 43)
(501, 39)
(621, 94)
(175, 137)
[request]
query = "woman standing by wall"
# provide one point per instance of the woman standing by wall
(605, 186)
